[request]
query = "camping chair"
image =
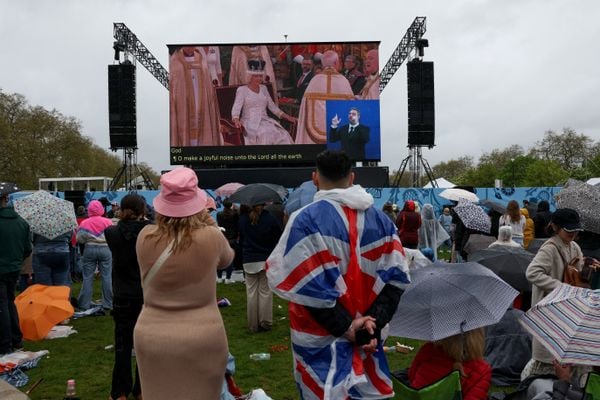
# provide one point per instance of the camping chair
(592, 387)
(447, 388)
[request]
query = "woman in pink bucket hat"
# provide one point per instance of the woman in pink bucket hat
(180, 320)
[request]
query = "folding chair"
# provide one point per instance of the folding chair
(447, 388)
(592, 387)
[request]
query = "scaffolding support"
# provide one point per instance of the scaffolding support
(129, 174)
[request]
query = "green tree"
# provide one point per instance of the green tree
(569, 149)
(38, 143)
(453, 169)
(544, 173)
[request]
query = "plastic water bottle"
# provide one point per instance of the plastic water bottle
(71, 393)
(260, 356)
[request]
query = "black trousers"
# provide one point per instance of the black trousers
(125, 313)
(10, 333)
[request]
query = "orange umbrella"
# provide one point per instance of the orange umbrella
(40, 308)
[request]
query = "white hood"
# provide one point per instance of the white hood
(354, 197)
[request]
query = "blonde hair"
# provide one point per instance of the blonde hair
(464, 347)
(180, 229)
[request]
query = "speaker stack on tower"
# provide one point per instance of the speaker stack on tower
(121, 106)
(421, 115)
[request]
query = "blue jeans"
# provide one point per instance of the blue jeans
(51, 269)
(10, 333)
(96, 256)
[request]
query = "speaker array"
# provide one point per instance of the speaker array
(121, 106)
(421, 115)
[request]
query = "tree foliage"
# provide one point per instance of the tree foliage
(550, 162)
(38, 143)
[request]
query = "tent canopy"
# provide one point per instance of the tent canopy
(441, 183)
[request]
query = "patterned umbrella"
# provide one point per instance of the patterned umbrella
(301, 196)
(228, 189)
(444, 300)
(473, 216)
(47, 215)
(8, 188)
(567, 323)
(583, 198)
(457, 194)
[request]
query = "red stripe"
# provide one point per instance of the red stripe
(306, 267)
(382, 386)
(386, 248)
(302, 321)
(309, 381)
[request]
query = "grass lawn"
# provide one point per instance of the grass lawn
(83, 356)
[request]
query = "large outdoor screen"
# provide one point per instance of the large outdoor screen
(278, 103)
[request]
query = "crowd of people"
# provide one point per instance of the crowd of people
(341, 263)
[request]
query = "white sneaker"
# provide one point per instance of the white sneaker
(228, 281)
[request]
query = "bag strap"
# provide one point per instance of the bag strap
(158, 264)
(559, 252)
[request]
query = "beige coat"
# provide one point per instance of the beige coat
(545, 272)
(180, 339)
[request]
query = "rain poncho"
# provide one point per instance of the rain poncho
(431, 233)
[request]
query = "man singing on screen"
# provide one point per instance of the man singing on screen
(339, 263)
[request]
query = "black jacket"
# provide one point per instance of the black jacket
(352, 143)
(121, 240)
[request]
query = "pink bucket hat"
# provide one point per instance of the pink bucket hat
(179, 195)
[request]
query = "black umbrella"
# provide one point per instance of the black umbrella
(509, 263)
(8, 188)
(494, 206)
(258, 193)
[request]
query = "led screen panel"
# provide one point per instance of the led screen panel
(273, 104)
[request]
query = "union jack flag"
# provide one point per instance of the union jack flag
(328, 253)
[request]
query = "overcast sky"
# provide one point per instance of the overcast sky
(505, 71)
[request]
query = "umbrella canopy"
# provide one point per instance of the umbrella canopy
(583, 198)
(473, 216)
(444, 300)
(509, 263)
(47, 215)
(567, 323)
(8, 188)
(494, 206)
(457, 194)
(40, 308)
(228, 189)
(258, 193)
(301, 196)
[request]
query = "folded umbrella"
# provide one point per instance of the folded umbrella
(583, 198)
(444, 300)
(301, 196)
(457, 194)
(40, 308)
(567, 323)
(47, 215)
(473, 216)
(227, 189)
(509, 263)
(258, 193)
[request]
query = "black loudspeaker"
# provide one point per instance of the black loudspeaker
(121, 106)
(77, 197)
(421, 114)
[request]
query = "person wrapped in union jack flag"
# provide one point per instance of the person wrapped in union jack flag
(340, 264)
